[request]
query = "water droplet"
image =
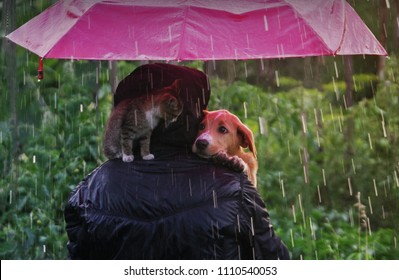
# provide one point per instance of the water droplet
(318, 192)
(265, 22)
(170, 33)
(371, 207)
(370, 143)
(277, 79)
(375, 187)
(336, 69)
(350, 186)
(262, 126)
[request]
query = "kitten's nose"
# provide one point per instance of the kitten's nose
(201, 144)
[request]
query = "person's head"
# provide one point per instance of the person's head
(194, 94)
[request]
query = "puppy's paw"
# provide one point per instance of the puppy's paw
(127, 158)
(148, 157)
(235, 163)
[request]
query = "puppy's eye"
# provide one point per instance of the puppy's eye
(201, 126)
(222, 129)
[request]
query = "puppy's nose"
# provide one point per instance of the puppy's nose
(201, 144)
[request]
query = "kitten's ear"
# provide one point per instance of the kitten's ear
(176, 86)
(173, 102)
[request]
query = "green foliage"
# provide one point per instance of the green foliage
(315, 157)
(60, 144)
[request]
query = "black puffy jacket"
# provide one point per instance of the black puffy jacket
(176, 206)
(185, 208)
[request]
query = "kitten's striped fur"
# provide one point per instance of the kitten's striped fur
(135, 118)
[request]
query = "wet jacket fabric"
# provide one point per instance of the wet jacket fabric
(180, 208)
(177, 206)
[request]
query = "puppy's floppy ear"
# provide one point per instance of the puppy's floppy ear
(246, 137)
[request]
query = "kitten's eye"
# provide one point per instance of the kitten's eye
(201, 126)
(222, 129)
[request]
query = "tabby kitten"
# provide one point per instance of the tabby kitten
(135, 118)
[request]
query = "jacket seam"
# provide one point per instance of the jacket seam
(135, 218)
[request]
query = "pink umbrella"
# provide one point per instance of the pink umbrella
(196, 30)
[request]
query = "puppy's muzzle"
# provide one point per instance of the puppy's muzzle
(201, 144)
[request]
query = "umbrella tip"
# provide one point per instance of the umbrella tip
(40, 74)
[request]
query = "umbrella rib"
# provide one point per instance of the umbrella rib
(72, 25)
(343, 34)
(183, 33)
(307, 23)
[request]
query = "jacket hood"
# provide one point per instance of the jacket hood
(194, 94)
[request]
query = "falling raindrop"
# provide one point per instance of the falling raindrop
(336, 69)
(383, 211)
(350, 186)
(370, 143)
(170, 34)
(304, 127)
(351, 219)
(388, 4)
(324, 177)
(293, 212)
(277, 78)
(368, 225)
(262, 125)
(238, 223)
(318, 192)
(383, 124)
(265, 22)
(375, 187)
(300, 202)
(318, 139)
(282, 187)
(136, 47)
(353, 166)
(245, 110)
(312, 231)
(215, 202)
(34, 159)
(252, 227)
(371, 207)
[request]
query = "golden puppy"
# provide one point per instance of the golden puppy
(222, 137)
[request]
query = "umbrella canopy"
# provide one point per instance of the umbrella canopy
(196, 30)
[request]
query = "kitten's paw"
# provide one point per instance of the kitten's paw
(127, 158)
(148, 157)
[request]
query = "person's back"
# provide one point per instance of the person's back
(177, 206)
